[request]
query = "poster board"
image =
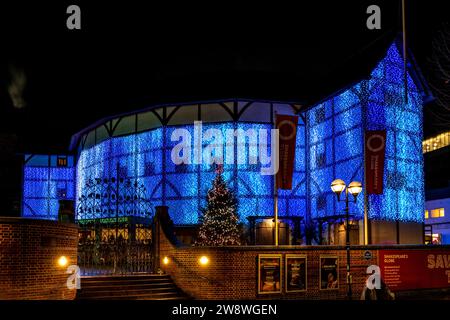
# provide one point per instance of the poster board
(269, 273)
(415, 269)
(295, 272)
(329, 272)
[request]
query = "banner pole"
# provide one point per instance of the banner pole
(275, 190)
(366, 217)
(405, 75)
(275, 201)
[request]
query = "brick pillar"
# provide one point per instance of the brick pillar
(66, 211)
(162, 213)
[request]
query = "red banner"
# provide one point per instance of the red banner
(287, 126)
(375, 146)
(415, 269)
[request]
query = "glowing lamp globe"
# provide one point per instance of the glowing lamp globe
(204, 260)
(62, 261)
(355, 188)
(338, 186)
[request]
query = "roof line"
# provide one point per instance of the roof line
(75, 138)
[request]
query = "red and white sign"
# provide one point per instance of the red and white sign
(375, 145)
(287, 126)
(415, 269)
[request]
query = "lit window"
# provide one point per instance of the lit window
(437, 239)
(62, 162)
(437, 213)
(426, 214)
(440, 141)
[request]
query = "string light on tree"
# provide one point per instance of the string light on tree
(219, 221)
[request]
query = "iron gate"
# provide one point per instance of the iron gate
(115, 219)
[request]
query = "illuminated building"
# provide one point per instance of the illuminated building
(436, 151)
(439, 141)
(437, 221)
(137, 146)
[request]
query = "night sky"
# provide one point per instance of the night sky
(128, 56)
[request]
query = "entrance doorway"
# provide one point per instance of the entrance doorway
(115, 220)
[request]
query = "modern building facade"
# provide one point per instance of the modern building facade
(437, 219)
(437, 207)
(137, 147)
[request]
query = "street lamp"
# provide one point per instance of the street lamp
(354, 188)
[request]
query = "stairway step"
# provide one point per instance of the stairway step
(125, 277)
(152, 296)
(85, 284)
(129, 287)
(125, 286)
(129, 292)
(168, 298)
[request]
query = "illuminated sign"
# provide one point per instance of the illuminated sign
(103, 220)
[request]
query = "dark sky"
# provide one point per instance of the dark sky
(128, 56)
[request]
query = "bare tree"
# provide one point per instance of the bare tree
(439, 76)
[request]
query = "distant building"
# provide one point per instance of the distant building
(437, 172)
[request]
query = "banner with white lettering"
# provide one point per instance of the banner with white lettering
(287, 126)
(375, 146)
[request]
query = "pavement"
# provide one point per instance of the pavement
(435, 294)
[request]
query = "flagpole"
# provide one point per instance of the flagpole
(275, 203)
(275, 190)
(366, 214)
(405, 77)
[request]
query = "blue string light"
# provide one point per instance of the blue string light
(330, 144)
(336, 143)
(43, 187)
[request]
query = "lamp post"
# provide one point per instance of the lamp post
(355, 188)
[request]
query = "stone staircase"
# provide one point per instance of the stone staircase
(129, 287)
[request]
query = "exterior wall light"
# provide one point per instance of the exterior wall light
(203, 260)
(63, 261)
(165, 260)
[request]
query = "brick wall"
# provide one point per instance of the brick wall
(29, 251)
(232, 272)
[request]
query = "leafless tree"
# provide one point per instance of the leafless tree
(439, 77)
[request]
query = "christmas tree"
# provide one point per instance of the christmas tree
(219, 221)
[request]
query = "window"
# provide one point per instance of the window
(122, 171)
(440, 141)
(321, 160)
(437, 238)
(437, 213)
(254, 167)
(426, 214)
(62, 162)
(149, 169)
(181, 168)
(321, 202)
(395, 180)
(61, 190)
(320, 114)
